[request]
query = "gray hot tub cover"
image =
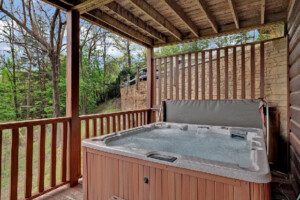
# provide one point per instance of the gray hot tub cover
(238, 113)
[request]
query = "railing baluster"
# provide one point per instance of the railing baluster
(28, 165)
(87, 128)
(128, 121)
(226, 73)
(171, 77)
(119, 122)
(252, 62)
(114, 123)
(64, 152)
(53, 155)
(14, 154)
(262, 69)
(165, 78)
(102, 127)
(95, 127)
(203, 75)
(41, 165)
(243, 81)
(234, 74)
(141, 118)
(159, 81)
(210, 76)
(124, 122)
(182, 77)
(107, 124)
(218, 75)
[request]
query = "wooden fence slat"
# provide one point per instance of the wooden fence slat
(159, 81)
(41, 164)
(234, 84)
(14, 164)
(95, 127)
(28, 164)
(210, 76)
(183, 76)
(226, 73)
(171, 77)
(154, 83)
(243, 77)
(262, 69)
(87, 128)
(252, 71)
(196, 76)
(64, 152)
(218, 75)
(53, 155)
(165, 78)
(203, 74)
(189, 76)
(177, 77)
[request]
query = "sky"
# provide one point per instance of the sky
(112, 51)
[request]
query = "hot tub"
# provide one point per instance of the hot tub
(167, 160)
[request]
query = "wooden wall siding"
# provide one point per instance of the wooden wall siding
(215, 74)
(110, 174)
(294, 75)
(21, 183)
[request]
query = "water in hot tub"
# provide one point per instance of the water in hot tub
(203, 144)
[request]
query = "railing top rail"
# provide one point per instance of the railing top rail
(231, 46)
(36, 122)
(82, 117)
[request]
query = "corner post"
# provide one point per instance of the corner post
(72, 110)
(150, 83)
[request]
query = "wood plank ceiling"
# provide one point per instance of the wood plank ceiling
(165, 22)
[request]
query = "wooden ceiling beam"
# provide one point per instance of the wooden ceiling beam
(183, 17)
(263, 11)
(157, 17)
(88, 5)
(205, 10)
(105, 18)
(101, 24)
(290, 8)
(234, 13)
(137, 22)
(248, 25)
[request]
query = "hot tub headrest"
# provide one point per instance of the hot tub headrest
(238, 113)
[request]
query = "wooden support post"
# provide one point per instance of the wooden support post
(151, 77)
(73, 96)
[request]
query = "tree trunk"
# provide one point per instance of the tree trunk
(28, 91)
(128, 54)
(55, 62)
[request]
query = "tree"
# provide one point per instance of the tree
(49, 36)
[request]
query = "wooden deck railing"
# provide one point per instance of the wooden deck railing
(111, 122)
(14, 129)
(39, 134)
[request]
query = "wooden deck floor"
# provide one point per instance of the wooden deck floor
(280, 186)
